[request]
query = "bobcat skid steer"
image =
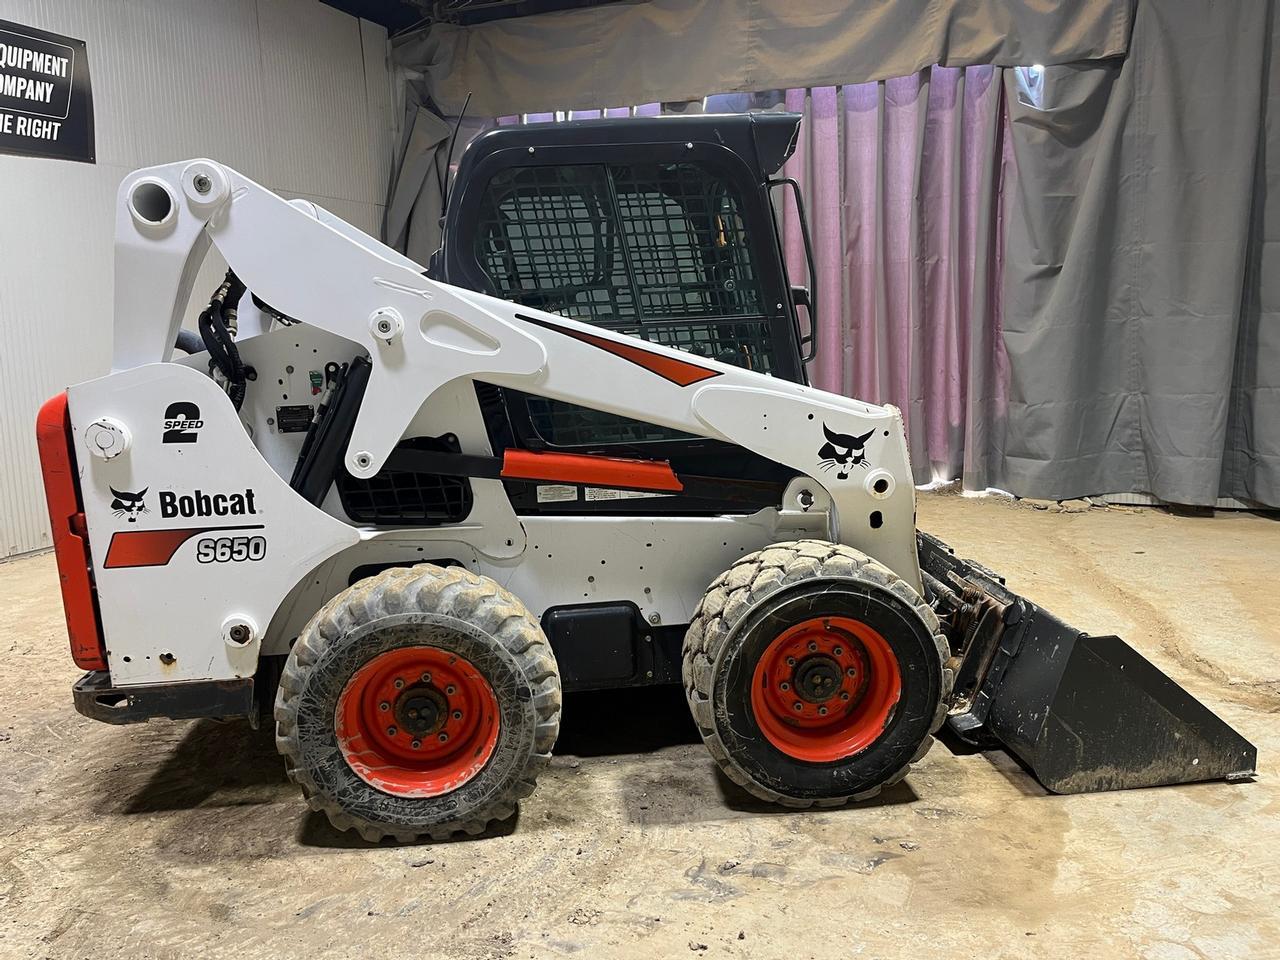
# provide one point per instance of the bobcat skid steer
(413, 512)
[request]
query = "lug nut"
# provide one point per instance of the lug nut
(784, 685)
(852, 672)
(451, 689)
(443, 737)
(799, 706)
(813, 645)
(384, 706)
(791, 661)
(838, 651)
(391, 731)
(417, 744)
(457, 714)
(426, 678)
(822, 711)
(399, 683)
(844, 696)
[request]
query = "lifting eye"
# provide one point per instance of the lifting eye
(150, 202)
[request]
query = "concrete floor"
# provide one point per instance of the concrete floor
(182, 839)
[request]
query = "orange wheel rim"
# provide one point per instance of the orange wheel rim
(825, 689)
(417, 722)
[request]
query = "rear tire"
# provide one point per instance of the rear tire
(815, 674)
(422, 701)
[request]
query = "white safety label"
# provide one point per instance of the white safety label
(556, 493)
(608, 493)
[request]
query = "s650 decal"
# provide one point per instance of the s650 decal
(230, 549)
(155, 548)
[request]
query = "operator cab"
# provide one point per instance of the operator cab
(662, 228)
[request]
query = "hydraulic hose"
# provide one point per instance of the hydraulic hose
(217, 330)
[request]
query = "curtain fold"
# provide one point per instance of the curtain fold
(1251, 461)
(1126, 267)
(902, 182)
(670, 50)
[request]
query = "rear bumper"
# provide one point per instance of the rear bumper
(98, 699)
(70, 537)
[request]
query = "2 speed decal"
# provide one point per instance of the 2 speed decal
(181, 422)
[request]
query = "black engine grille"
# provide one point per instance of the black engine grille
(405, 498)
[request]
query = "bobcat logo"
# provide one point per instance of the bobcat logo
(128, 504)
(842, 451)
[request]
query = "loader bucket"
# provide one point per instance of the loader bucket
(1084, 713)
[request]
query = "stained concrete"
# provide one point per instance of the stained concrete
(185, 839)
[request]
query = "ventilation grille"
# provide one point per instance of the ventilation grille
(405, 498)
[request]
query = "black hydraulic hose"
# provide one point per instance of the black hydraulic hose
(216, 323)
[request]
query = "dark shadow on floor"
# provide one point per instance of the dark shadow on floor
(603, 723)
(958, 747)
(317, 831)
(1010, 767)
(211, 757)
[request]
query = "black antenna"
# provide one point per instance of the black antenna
(448, 162)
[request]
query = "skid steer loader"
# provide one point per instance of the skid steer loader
(413, 510)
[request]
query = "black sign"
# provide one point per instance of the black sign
(46, 106)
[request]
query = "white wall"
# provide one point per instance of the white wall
(290, 92)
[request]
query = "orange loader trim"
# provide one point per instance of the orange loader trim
(651, 475)
(70, 536)
(669, 368)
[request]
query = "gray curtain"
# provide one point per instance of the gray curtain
(1126, 277)
(668, 50)
(412, 223)
(1251, 461)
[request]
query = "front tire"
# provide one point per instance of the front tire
(419, 702)
(815, 674)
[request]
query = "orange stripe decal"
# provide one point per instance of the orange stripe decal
(153, 548)
(669, 368)
(652, 475)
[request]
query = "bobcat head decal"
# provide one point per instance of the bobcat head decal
(842, 451)
(128, 504)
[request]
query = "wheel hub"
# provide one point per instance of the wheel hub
(818, 679)
(421, 711)
(825, 689)
(417, 722)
